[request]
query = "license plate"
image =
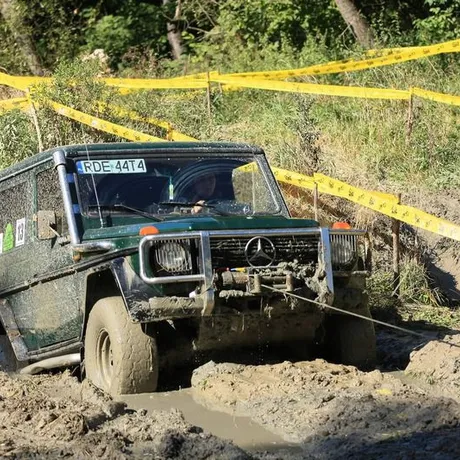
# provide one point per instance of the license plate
(121, 166)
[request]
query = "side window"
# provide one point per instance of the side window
(13, 217)
(49, 198)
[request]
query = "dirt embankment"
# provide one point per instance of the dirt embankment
(55, 416)
(335, 411)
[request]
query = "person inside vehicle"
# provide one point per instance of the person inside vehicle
(203, 189)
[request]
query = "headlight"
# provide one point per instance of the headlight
(173, 257)
(343, 250)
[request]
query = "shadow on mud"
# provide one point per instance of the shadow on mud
(394, 347)
(436, 444)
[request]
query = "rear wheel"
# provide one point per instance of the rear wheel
(119, 357)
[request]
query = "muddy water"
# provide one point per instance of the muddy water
(241, 430)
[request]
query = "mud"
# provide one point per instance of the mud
(438, 365)
(303, 410)
(335, 411)
(50, 416)
(244, 432)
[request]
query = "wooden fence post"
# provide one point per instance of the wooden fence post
(410, 119)
(315, 201)
(395, 227)
(208, 97)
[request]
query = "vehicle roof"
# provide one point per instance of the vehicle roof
(133, 147)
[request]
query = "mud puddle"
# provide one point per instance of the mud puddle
(241, 430)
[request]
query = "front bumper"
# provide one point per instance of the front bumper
(247, 281)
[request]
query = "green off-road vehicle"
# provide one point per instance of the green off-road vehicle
(113, 256)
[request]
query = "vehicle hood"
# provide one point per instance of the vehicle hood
(201, 223)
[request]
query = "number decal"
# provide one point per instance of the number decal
(20, 231)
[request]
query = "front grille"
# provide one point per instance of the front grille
(230, 252)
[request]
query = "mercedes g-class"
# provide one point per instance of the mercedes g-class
(106, 249)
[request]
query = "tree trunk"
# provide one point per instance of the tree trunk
(358, 23)
(174, 35)
(11, 12)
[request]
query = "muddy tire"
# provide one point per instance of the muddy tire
(119, 357)
(8, 362)
(353, 342)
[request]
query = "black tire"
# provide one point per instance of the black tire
(353, 341)
(119, 357)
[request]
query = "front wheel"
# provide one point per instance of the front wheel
(119, 357)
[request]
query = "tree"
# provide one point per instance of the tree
(174, 34)
(12, 14)
(358, 23)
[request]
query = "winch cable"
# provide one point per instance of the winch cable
(357, 315)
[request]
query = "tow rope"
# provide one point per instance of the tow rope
(357, 315)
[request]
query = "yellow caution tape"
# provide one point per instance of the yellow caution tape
(437, 97)
(21, 103)
(408, 214)
(103, 125)
(140, 83)
(349, 65)
(172, 134)
(312, 88)
(293, 178)
(20, 82)
(301, 180)
(23, 83)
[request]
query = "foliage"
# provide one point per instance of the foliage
(127, 24)
(441, 24)
(362, 141)
(212, 29)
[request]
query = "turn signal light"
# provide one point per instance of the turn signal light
(341, 226)
(150, 230)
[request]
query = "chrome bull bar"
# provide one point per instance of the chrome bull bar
(204, 274)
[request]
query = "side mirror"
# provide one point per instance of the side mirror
(46, 225)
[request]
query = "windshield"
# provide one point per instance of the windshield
(172, 186)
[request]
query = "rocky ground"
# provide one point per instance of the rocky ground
(329, 411)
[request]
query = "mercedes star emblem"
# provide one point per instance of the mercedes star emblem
(260, 252)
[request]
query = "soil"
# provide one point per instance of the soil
(335, 411)
(324, 410)
(50, 416)
(438, 365)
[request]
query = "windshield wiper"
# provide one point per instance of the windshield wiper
(118, 206)
(192, 205)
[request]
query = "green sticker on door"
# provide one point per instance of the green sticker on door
(8, 238)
